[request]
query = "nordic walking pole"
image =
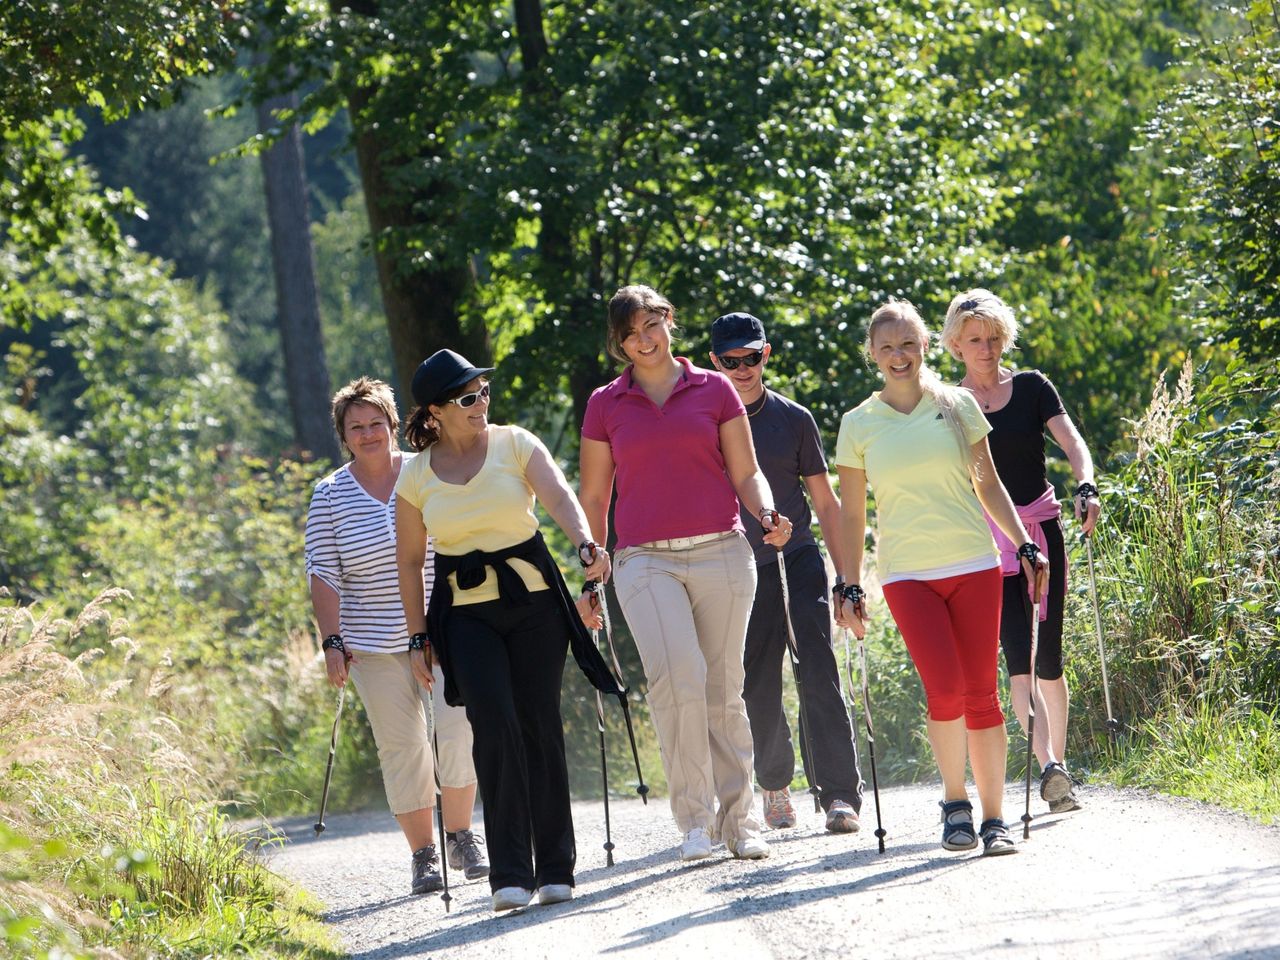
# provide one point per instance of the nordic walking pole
(641, 788)
(866, 712)
(594, 589)
(328, 770)
(793, 654)
(1031, 714)
(442, 840)
(1113, 725)
(604, 776)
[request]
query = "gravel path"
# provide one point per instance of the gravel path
(1132, 876)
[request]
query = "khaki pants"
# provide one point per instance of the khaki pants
(688, 612)
(397, 708)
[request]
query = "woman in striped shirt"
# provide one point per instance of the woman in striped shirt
(351, 566)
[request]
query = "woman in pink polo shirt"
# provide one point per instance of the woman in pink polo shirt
(675, 440)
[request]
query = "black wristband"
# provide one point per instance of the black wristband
(853, 593)
(1087, 491)
(334, 642)
(419, 641)
(1029, 551)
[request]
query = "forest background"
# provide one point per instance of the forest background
(214, 213)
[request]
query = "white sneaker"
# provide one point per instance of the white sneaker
(511, 898)
(550, 893)
(696, 845)
(748, 848)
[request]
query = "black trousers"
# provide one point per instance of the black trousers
(508, 662)
(834, 765)
(1015, 616)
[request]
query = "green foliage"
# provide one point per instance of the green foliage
(1220, 136)
(108, 834)
(1188, 582)
(112, 56)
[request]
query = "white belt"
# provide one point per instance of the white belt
(684, 543)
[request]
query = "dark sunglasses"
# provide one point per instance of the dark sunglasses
(469, 399)
(751, 360)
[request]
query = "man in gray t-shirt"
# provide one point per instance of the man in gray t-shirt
(790, 454)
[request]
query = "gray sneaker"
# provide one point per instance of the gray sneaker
(426, 870)
(1055, 782)
(466, 853)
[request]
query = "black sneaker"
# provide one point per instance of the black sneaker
(1055, 782)
(466, 853)
(426, 870)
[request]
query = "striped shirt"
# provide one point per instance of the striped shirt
(351, 546)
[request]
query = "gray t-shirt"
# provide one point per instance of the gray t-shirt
(788, 448)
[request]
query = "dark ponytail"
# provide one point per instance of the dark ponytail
(419, 431)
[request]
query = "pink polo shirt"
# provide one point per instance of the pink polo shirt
(670, 471)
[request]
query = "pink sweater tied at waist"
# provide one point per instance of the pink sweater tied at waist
(1045, 507)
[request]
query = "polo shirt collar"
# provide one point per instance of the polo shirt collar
(692, 376)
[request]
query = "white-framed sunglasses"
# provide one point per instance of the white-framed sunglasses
(469, 399)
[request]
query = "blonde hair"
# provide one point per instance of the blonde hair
(624, 305)
(376, 393)
(982, 305)
(946, 399)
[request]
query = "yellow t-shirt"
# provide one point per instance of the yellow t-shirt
(928, 517)
(491, 511)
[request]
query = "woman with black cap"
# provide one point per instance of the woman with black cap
(500, 619)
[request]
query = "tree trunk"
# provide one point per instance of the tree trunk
(297, 300)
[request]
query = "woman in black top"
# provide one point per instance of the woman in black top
(979, 328)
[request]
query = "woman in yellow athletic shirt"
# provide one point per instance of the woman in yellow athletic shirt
(501, 619)
(923, 447)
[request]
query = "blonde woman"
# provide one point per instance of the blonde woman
(923, 447)
(1020, 406)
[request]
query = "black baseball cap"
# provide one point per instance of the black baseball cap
(441, 372)
(735, 330)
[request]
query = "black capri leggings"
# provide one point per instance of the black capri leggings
(1015, 616)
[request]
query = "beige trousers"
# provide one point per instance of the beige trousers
(397, 709)
(688, 612)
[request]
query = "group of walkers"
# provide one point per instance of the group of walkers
(439, 599)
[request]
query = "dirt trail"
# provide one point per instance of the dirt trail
(1132, 876)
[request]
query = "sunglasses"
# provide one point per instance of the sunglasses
(469, 399)
(751, 360)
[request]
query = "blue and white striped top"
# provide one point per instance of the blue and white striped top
(351, 546)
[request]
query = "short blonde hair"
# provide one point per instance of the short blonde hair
(982, 305)
(376, 393)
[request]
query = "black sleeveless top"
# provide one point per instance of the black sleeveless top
(1017, 435)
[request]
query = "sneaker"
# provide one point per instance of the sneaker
(696, 845)
(750, 847)
(957, 825)
(467, 854)
(842, 818)
(426, 870)
(995, 838)
(1055, 782)
(511, 898)
(778, 811)
(1065, 804)
(550, 893)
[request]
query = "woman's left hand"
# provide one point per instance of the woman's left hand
(777, 528)
(600, 566)
(589, 610)
(420, 662)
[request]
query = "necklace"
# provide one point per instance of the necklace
(981, 395)
(757, 405)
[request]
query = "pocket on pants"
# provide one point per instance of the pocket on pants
(740, 567)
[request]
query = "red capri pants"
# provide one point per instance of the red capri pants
(952, 630)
